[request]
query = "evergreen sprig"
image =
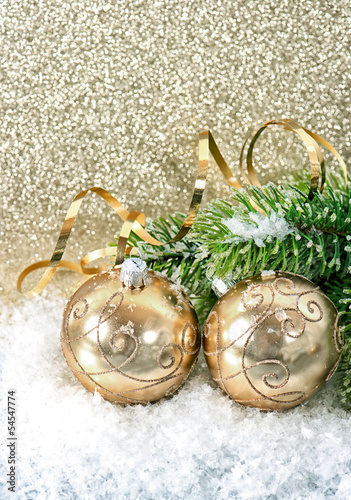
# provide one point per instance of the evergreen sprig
(317, 245)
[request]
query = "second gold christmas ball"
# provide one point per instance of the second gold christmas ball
(272, 340)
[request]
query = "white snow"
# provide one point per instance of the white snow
(280, 314)
(258, 227)
(267, 273)
(197, 445)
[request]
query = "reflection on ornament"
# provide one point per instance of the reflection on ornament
(132, 345)
(272, 341)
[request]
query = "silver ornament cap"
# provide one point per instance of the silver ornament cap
(134, 272)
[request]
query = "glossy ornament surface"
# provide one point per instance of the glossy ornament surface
(131, 345)
(272, 340)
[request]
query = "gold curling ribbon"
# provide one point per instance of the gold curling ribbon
(310, 139)
(132, 221)
(135, 221)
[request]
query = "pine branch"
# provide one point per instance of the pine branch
(316, 244)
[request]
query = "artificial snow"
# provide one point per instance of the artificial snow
(280, 314)
(258, 227)
(267, 273)
(196, 445)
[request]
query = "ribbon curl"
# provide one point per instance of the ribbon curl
(135, 221)
(310, 140)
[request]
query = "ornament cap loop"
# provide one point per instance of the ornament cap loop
(134, 272)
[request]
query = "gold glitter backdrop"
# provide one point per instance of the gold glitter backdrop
(114, 94)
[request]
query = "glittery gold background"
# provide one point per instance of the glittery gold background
(114, 94)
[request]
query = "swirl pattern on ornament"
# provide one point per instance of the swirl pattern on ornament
(338, 336)
(117, 341)
(260, 299)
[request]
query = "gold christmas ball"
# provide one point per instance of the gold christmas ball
(132, 345)
(272, 340)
